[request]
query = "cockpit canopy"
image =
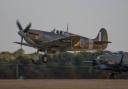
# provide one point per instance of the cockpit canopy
(116, 57)
(59, 32)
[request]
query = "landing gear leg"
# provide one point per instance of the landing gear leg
(41, 57)
(36, 58)
(44, 57)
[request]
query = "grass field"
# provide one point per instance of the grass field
(64, 84)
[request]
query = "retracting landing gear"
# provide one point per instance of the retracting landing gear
(40, 57)
(44, 57)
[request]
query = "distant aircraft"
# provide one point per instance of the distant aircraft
(113, 63)
(51, 42)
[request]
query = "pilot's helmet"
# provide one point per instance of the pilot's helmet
(57, 32)
(54, 30)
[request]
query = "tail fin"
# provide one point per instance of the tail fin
(102, 35)
(102, 38)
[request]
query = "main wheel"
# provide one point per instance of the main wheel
(44, 58)
(112, 76)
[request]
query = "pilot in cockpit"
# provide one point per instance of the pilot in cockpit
(53, 30)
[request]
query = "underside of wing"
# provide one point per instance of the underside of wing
(25, 44)
(62, 43)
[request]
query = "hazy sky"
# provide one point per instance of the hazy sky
(85, 17)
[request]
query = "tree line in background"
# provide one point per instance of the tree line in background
(64, 65)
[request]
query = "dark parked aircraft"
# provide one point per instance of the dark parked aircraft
(51, 42)
(113, 63)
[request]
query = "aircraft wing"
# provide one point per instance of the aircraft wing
(59, 44)
(65, 42)
(25, 44)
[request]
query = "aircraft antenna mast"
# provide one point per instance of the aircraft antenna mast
(67, 27)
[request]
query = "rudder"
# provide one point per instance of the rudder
(102, 35)
(102, 39)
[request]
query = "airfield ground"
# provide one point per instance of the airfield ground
(64, 84)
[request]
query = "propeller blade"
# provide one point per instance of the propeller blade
(19, 25)
(28, 27)
(21, 41)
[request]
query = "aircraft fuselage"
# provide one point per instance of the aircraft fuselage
(38, 38)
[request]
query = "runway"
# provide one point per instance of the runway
(64, 84)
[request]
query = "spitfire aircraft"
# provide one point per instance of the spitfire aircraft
(51, 42)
